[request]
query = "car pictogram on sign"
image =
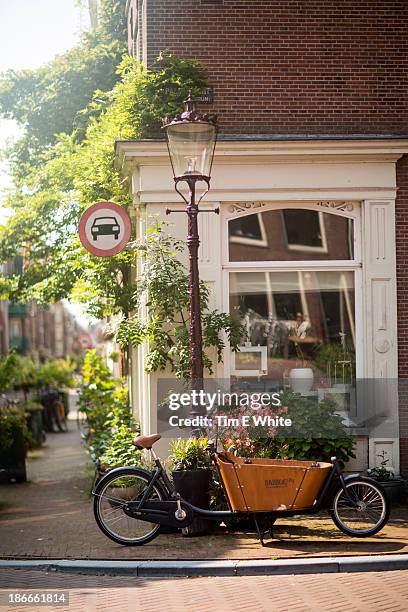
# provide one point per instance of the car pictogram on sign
(105, 226)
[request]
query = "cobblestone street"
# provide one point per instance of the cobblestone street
(359, 592)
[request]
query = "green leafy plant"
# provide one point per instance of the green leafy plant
(96, 392)
(189, 454)
(381, 474)
(55, 373)
(31, 406)
(12, 420)
(25, 376)
(120, 451)
(111, 425)
(8, 371)
(317, 433)
(327, 355)
(163, 294)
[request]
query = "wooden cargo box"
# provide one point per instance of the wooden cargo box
(262, 485)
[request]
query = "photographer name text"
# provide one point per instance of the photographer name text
(245, 420)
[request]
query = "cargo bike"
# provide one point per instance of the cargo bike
(132, 504)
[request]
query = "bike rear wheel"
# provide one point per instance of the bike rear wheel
(112, 493)
(369, 512)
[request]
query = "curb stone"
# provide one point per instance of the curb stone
(256, 567)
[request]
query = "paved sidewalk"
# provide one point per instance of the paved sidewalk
(52, 517)
(367, 592)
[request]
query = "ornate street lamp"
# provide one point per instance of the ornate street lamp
(191, 138)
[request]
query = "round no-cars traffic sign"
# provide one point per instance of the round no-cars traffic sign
(104, 229)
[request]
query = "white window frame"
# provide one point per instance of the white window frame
(354, 265)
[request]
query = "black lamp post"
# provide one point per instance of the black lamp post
(191, 138)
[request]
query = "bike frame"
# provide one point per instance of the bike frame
(159, 475)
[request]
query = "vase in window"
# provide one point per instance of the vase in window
(301, 379)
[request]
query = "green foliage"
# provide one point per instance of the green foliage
(12, 420)
(162, 292)
(120, 451)
(332, 353)
(79, 169)
(24, 373)
(111, 425)
(55, 373)
(382, 474)
(317, 433)
(31, 406)
(97, 392)
(8, 369)
(55, 98)
(189, 454)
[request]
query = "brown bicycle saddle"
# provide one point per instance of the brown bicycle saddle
(146, 441)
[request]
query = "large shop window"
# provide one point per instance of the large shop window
(294, 316)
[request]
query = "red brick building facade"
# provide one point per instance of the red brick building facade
(292, 66)
(293, 69)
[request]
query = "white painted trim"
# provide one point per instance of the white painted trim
(338, 264)
(287, 174)
(352, 150)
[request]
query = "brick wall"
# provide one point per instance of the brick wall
(294, 66)
(402, 303)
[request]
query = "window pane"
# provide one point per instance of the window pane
(303, 319)
(291, 235)
(302, 228)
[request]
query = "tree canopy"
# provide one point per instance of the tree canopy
(55, 98)
(72, 111)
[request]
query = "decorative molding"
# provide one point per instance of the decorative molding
(384, 449)
(240, 207)
(341, 206)
(237, 208)
(383, 347)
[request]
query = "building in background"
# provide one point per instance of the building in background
(48, 331)
(311, 177)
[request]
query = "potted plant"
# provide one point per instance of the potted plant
(14, 442)
(391, 483)
(33, 412)
(192, 476)
(302, 377)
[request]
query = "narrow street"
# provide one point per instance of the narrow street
(61, 458)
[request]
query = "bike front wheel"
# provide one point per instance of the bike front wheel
(366, 514)
(110, 496)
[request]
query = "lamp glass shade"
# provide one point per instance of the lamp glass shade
(191, 147)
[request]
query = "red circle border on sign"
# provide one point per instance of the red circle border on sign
(127, 226)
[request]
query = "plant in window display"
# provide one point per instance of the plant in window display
(302, 377)
(337, 360)
(317, 432)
